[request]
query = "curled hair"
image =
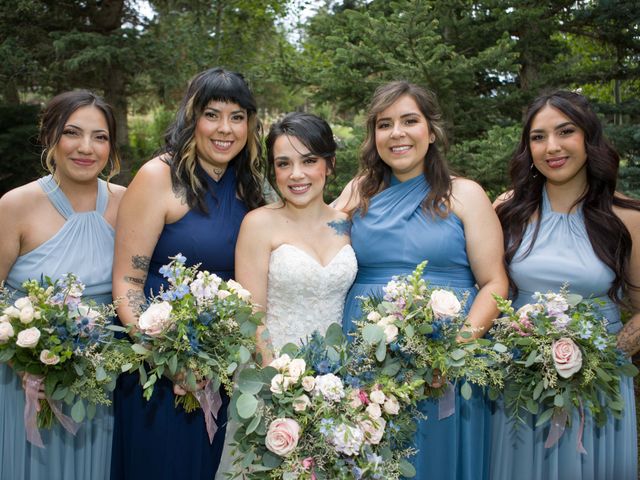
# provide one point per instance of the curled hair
(54, 118)
(376, 174)
(215, 84)
(312, 131)
(608, 235)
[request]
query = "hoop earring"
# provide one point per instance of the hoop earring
(531, 170)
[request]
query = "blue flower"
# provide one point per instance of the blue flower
(205, 318)
(436, 333)
(586, 329)
(600, 343)
(168, 295)
(353, 382)
(322, 367)
(181, 291)
(180, 258)
(326, 425)
(516, 353)
(357, 472)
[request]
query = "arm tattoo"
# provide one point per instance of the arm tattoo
(136, 300)
(140, 262)
(135, 280)
(629, 338)
(342, 227)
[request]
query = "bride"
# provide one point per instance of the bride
(295, 256)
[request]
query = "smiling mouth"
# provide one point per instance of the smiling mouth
(557, 162)
(400, 148)
(222, 144)
(83, 161)
(300, 188)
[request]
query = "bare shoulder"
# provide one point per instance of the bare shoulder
(465, 192)
(261, 218)
(503, 197)
(154, 170)
(629, 216)
(349, 198)
(22, 200)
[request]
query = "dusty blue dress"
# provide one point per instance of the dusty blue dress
(155, 439)
(563, 253)
(393, 237)
(84, 246)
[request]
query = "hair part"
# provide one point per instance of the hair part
(375, 174)
(54, 118)
(312, 131)
(609, 237)
(215, 84)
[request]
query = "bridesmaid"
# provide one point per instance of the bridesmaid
(563, 221)
(408, 208)
(191, 200)
(58, 224)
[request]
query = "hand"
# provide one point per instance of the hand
(180, 388)
(438, 380)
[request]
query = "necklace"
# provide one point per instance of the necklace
(218, 171)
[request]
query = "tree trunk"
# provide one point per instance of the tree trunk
(116, 95)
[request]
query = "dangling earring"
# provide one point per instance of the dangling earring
(531, 170)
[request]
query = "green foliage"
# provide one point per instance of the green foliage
(146, 134)
(18, 146)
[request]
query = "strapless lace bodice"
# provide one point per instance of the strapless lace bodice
(302, 295)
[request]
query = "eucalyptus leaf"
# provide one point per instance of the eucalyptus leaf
(101, 375)
(334, 335)
(139, 349)
(532, 406)
(246, 405)
(250, 381)
(253, 424)
(381, 351)
(372, 334)
(466, 391)
(91, 411)
(78, 411)
(531, 359)
(172, 363)
(538, 390)
(458, 354)
(244, 354)
(406, 469)
(409, 331)
(500, 348)
(544, 417)
(232, 367)
(271, 460)
(558, 401)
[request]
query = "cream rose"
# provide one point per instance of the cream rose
(27, 314)
(373, 430)
(390, 332)
(279, 383)
(4, 318)
(155, 318)
(282, 436)
(296, 368)
(6, 331)
(444, 304)
(49, 358)
(391, 405)
(374, 411)
(301, 403)
(28, 338)
(354, 399)
(281, 362)
(308, 383)
(373, 316)
(377, 396)
(12, 312)
(567, 357)
(23, 302)
(222, 294)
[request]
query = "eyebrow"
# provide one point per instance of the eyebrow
(81, 129)
(410, 114)
(541, 130)
(240, 110)
(303, 156)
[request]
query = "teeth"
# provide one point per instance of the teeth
(299, 188)
(222, 144)
(404, 148)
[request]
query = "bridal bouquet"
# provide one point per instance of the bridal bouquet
(561, 359)
(305, 417)
(416, 331)
(53, 338)
(197, 331)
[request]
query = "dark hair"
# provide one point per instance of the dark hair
(215, 84)
(54, 118)
(608, 235)
(312, 131)
(376, 174)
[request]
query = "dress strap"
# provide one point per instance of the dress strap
(56, 196)
(103, 197)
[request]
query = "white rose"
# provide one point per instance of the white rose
(87, 311)
(391, 406)
(373, 316)
(279, 383)
(12, 312)
(296, 368)
(373, 430)
(222, 294)
(374, 411)
(281, 362)
(244, 294)
(234, 286)
(155, 318)
(388, 320)
(23, 302)
(390, 332)
(28, 338)
(26, 314)
(6, 331)
(377, 396)
(444, 304)
(308, 383)
(49, 358)
(301, 403)
(4, 318)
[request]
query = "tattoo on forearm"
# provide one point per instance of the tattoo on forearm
(341, 227)
(134, 280)
(629, 338)
(136, 301)
(140, 262)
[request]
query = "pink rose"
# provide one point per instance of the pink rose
(155, 318)
(444, 304)
(282, 436)
(567, 357)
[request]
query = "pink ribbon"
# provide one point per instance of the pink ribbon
(32, 385)
(210, 402)
(558, 423)
(447, 403)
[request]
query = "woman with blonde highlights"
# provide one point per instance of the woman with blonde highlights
(191, 200)
(407, 208)
(62, 223)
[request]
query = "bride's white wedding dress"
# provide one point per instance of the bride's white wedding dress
(302, 296)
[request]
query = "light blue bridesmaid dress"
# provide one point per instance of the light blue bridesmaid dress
(84, 246)
(563, 253)
(393, 237)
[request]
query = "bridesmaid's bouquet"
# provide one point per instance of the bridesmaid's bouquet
(305, 417)
(561, 358)
(197, 332)
(63, 345)
(418, 332)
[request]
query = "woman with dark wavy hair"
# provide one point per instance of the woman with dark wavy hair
(61, 223)
(409, 208)
(191, 199)
(563, 221)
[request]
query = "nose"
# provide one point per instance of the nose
(396, 130)
(553, 144)
(85, 144)
(224, 126)
(296, 171)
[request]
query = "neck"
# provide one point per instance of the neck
(214, 171)
(81, 195)
(564, 196)
(307, 214)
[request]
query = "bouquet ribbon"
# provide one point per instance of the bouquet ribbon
(32, 384)
(558, 423)
(210, 402)
(447, 403)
